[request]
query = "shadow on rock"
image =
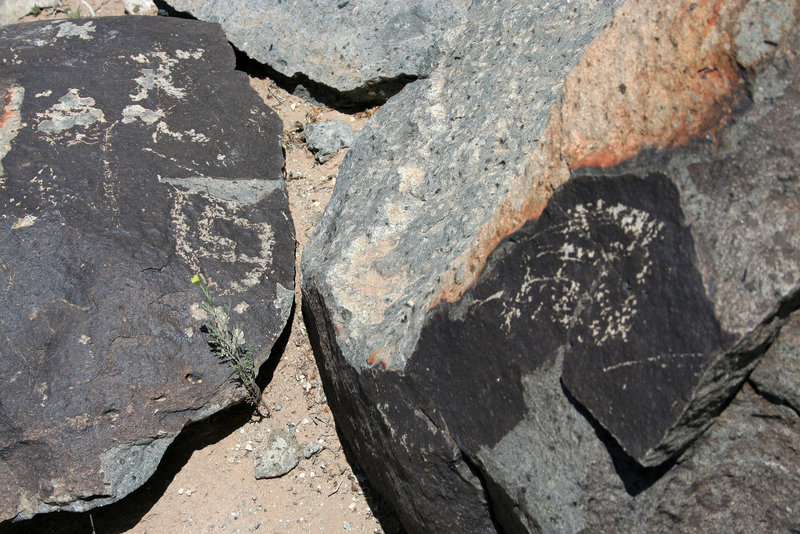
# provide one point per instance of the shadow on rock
(126, 513)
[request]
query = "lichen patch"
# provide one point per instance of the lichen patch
(71, 111)
(159, 78)
(68, 29)
(24, 222)
(135, 111)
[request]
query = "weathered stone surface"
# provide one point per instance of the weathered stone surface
(363, 49)
(741, 477)
(325, 139)
(488, 342)
(778, 372)
(133, 156)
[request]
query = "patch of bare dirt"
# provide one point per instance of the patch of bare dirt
(206, 481)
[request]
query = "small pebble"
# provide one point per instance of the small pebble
(349, 526)
(278, 407)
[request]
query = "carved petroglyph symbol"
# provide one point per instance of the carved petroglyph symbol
(635, 230)
(197, 238)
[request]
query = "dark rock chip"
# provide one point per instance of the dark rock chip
(132, 158)
(534, 288)
(363, 49)
(325, 139)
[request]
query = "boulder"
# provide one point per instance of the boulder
(140, 7)
(13, 10)
(133, 156)
(550, 265)
(325, 139)
(365, 50)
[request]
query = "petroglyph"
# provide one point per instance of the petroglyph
(163, 129)
(72, 110)
(562, 292)
(197, 235)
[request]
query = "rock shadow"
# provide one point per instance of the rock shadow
(126, 513)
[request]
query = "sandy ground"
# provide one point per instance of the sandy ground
(206, 482)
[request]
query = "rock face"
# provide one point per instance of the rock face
(132, 157)
(547, 268)
(363, 49)
(778, 374)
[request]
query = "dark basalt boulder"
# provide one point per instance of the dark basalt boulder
(547, 270)
(132, 157)
(362, 50)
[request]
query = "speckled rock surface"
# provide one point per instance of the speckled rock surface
(325, 139)
(278, 455)
(363, 49)
(132, 156)
(546, 269)
(778, 373)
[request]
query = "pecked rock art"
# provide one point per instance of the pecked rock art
(572, 248)
(133, 157)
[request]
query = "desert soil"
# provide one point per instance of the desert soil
(206, 482)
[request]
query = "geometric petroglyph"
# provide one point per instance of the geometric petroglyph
(202, 234)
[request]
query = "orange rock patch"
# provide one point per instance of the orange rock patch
(659, 75)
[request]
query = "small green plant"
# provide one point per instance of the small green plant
(35, 10)
(229, 343)
(74, 13)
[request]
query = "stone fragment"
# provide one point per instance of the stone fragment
(133, 156)
(311, 449)
(558, 258)
(140, 7)
(365, 50)
(778, 372)
(279, 455)
(325, 139)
